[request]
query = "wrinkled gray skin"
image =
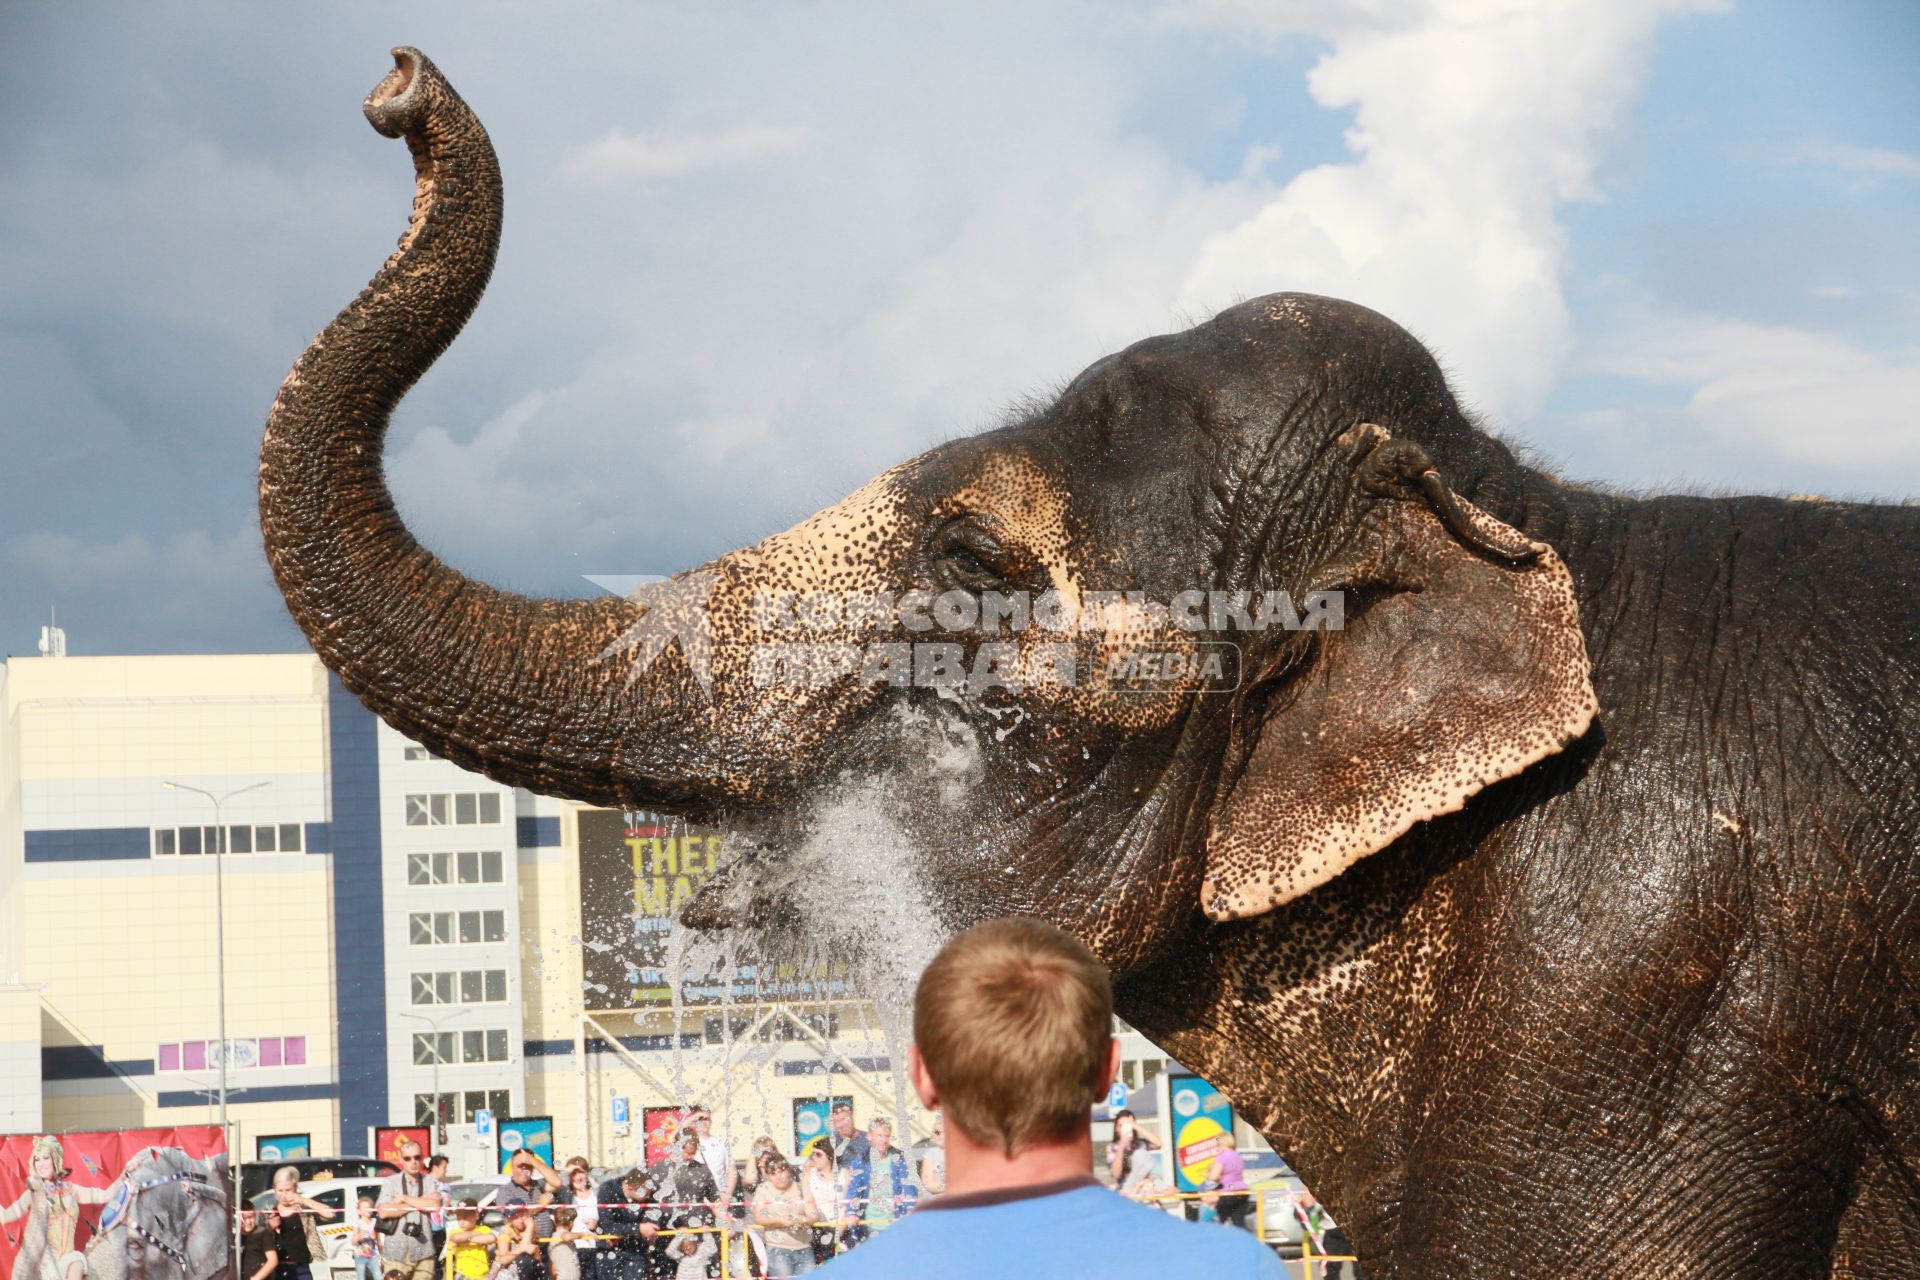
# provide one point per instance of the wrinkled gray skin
(189, 1217)
(1520, 989)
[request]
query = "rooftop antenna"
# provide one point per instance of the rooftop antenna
(53, 641)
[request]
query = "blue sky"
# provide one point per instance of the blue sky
(754, 256)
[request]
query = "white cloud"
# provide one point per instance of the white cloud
(1807, 397)
(665, 155)
(1475, 123)
(1855, 161)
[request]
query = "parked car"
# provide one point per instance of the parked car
(335, 1233)
(257, 1175)
(484, 1191)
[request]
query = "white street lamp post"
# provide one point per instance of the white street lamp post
(439, 1103)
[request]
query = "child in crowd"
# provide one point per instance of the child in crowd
(471, 1243)
(366, 1243)
(516, 1248)
(562, 1261)
(693, 1252)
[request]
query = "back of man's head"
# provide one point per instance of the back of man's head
(1013, 1020)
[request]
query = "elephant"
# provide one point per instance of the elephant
(167, 1219)
(1549, 905)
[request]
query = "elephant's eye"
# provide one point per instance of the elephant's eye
(966, 557)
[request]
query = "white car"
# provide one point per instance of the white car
(336, 1233)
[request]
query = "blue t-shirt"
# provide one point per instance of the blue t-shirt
(1071, 1228)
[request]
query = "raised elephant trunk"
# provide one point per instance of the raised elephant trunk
(512, 686)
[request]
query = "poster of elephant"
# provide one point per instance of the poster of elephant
(115, 1205)
(1550, 905)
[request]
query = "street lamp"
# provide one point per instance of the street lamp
(220, 925)
(439, 1103)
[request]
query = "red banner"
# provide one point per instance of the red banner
(69, 1203)
(387, 1140)
(661, 1125)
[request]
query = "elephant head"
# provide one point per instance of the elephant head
(1292, 444)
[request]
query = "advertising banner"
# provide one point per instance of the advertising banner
(637, 869)
(535, 1133)
(388, 1137)
(1202, 1121)
(812, 1118)
(74, 1201)
(283, 1146)
(662, 1128)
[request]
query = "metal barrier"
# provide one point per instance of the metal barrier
(1312, 1262)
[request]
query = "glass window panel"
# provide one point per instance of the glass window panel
(469, 926)
(189, 839)
(469, 868)
(422, 1049)
(475, 1100)
(490, 866)
(264, 839)
(239, 839)
(497, 1099)
(496, 985)
(490, 807)
(472, 986)
(464, 810)
(270, 1051)
(419, 869)
(293, 1051)
(423, 1108)
(497, 1045)
(289, 837)
(422, 988)
(169, 1057)
(193, 1055)
(437, 809)
(443, 987)
(415, 753)
(163, 841)
(496, 926)
(418, 813)
(419, 931)
(443, 924)
(210, 839)
(473, 1047)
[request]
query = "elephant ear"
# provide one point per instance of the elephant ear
(1467, 669)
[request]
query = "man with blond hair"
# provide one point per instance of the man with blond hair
(1013, 1037)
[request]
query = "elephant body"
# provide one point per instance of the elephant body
(1551, 911)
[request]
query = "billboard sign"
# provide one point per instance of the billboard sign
(661, 1125)
(1202, 1123)
(812, 1118)
(637, 869)
(388, 1137)
(535, 1133)
(283, 1146)
(94, 1194)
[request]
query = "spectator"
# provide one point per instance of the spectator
(259, 1249)
(826, 1186)
(562, 1259)
(365, 1243)
(471, 1242)
(879, 1190)
(586, 1214)
(1013, 1036)
(296, 1231)
(846, 1138)
(521, 1190)
(629, 1215)
(686, 1183)
(405, 1210)
(692, 1255)
(1130, 1168)
(1326, 1236)
(714, 1151)
(784, 1214)
(516, 1249)
(933, 1165)
(1229, 1177)
(751, 1179)
(437, 1171)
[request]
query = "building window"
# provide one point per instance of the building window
(483, 867)
(417, 754)
(460, 1108)
(275, 837)
(466, 986)
(262, 1051)
(445, 928)
(453, 809)
(458, 1047)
